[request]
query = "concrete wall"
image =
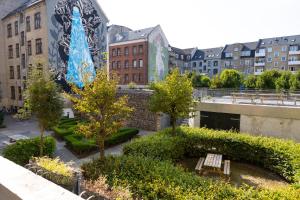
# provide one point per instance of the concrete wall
(275, 121)
(269, 126)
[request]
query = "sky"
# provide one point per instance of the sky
(208, 23)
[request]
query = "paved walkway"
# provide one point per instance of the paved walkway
(29, 128)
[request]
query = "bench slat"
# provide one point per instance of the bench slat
(227, 167)
(200, 164)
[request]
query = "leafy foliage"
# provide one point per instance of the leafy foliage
(98, 102)
(43, 100)
(250, 82)
(295, 81)
(200, 81)
(23, 150)
(173, 96)
(277, 155)
(230, 78)
(148, 178)
(268, 79)
(283, 82)
(216, 83)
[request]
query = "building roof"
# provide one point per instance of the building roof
(131, 35)
(245, 46)
(26, 5)
(212, 53)
(286, 40)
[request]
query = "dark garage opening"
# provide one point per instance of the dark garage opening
(220, 121)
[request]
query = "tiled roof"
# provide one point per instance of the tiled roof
(245, 46)
(288, 40)
(26, 5)
(131, 35)
(213, 52)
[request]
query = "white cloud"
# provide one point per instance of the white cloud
(208, 23)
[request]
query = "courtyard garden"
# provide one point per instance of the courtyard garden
(150, 166)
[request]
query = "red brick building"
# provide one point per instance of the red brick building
(130, 53)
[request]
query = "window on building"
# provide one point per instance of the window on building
(194, 64)
(269, 59)
(21, 18)
(177, 56)
(270, 49)
(246, 53)
(12, 92)
(182, 57)
(284, 48)
(29, 48)
(204, 68)
(141, 49)
(113, 64)
(126, 51)
(200, 64)
(20, 93)
(118, 64)
(134, 63)
(114, 52)
(292, 69)
(276, 54)
(9, 30)
(247, 62)
(10, 52)
(17, 50)
(28, 28)
(141, 63)
(23, 61)
(38, 46)
(140, 77)
(11, 72)
(215, 71)
(294, 48)
(22, 38)
(126, 64)
(283, 58)
(37, 20)
(236, 49)
(275, 64)
(118, 52)
(134, 50)
(216, 63)
(19, 72)
(227, 63)
(16, 28)
(126, 78)
(134, 77)
(283, 68)
(228, 55)
(209, 63)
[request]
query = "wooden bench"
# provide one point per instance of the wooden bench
(227, 168)
(199, 164)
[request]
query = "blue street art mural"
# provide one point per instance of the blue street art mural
(80, 60)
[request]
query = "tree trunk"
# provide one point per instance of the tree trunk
(101, 148)
(42, 141)
(173, 124)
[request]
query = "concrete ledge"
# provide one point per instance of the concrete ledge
(18, 183)
(285, 112)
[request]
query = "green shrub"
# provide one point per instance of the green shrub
(79, 144)
(121, 136)
(23, 150)
(149, 178)
(62, 132)
(277, 155)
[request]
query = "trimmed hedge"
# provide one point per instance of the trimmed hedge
(79, 144)
(149, 178)
(23, 150)
(277, 155)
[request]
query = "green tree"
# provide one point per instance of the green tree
(173, 96)
(43, 100)
(216, 83)
(200, 81)
(99, 104)
(231, 78)
(268, 79)
(250, 81)
(295, 81)
(283, 82)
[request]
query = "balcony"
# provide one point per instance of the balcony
(260, 54)
(258, 72)
(259, 64)
(294, 52)
(294, 62)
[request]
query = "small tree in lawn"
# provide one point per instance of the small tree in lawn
(43, 99)
(98, 102)
(173, 96)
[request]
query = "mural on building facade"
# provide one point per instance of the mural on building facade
(77, 39)
(159, 56)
